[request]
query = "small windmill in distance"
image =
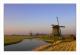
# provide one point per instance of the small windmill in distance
(56, 31)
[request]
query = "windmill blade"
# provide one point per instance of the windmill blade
(62, 26)
(57, 20)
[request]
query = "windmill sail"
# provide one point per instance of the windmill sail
(57, 20)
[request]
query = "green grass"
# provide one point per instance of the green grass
(12, 39)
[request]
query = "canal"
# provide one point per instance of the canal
(25, 45)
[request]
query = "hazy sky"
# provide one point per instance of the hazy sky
(38, 18)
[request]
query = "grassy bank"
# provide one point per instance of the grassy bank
(12, 39)
(63, 46)
(67, 43)
(58, 46)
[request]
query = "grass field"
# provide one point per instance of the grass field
(12, 39)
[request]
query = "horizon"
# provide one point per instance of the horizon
(37, 18)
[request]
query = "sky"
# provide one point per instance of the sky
(38, 18)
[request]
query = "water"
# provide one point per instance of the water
(25, 45)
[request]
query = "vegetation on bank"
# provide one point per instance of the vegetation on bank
(12, 39)
(51, 39)
(58, 46)
(67, 43)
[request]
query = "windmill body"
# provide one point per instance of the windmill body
(56, 31)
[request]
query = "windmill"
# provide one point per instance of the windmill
(56, 31)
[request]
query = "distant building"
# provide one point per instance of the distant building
(56, 31)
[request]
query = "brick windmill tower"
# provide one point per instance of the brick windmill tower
(56, 31)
